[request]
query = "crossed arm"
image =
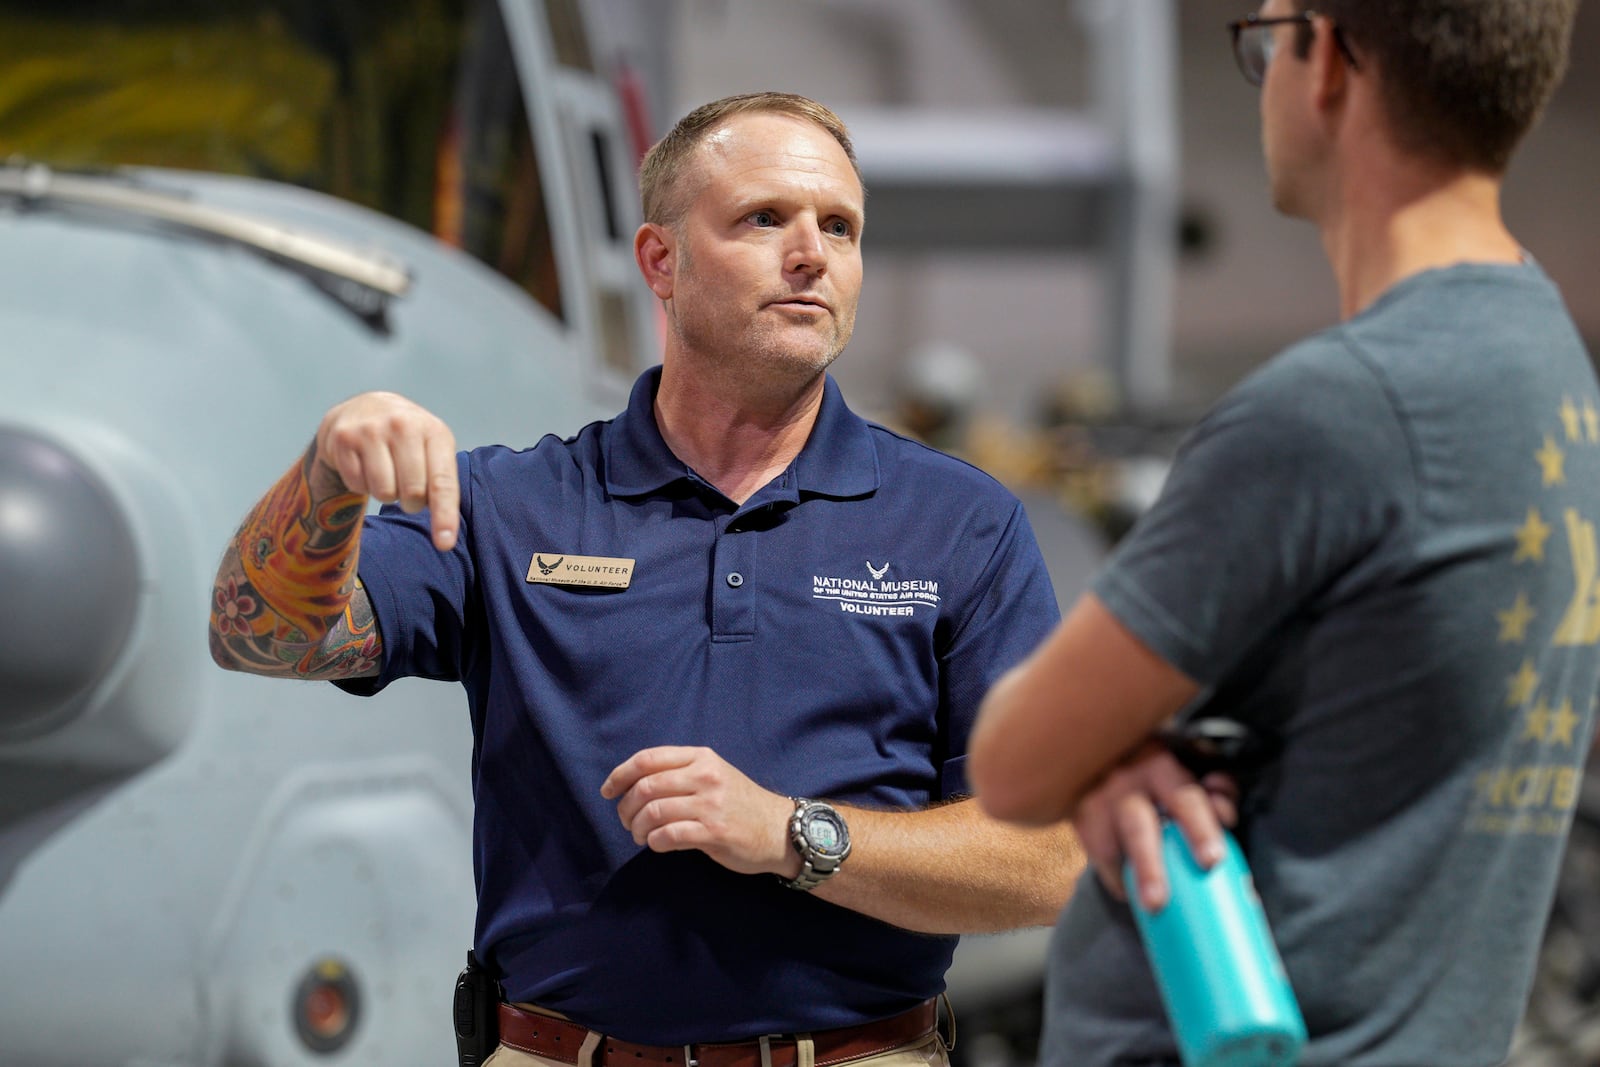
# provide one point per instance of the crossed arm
(1069, 734)
(949, 869)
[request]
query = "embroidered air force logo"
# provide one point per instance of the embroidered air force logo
(876, 594)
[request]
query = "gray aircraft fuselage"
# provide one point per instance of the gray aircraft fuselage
(185, 852)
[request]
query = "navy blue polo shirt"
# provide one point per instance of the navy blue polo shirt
(830, 637)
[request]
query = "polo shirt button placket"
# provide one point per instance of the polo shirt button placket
(733, 615)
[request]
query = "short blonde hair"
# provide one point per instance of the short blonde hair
(662, 171)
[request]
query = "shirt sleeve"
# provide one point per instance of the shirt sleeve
(1013, 609)
(420, 596)
(1280, 500)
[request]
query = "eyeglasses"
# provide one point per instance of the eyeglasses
(1253, 46)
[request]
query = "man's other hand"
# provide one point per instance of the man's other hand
(1120, 820)
(673, 798)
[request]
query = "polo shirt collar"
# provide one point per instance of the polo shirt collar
(839, 458)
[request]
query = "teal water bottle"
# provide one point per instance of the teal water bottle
(1219, 972)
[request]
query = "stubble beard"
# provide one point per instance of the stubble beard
(757, 356)
(758, 361)
(765, 346)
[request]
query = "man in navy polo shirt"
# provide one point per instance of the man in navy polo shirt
(721, 652)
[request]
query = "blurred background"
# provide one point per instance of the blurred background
(1022, 333)
(1247, 281)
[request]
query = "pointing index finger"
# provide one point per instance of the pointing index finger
(444, 490)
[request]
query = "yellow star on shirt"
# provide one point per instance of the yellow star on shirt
(1591, 421)
(1569, 419)
(1514, 622)
(1551, 461)
(1538, 721)
(1522, 684)
(1531, 537)
(1562, 723)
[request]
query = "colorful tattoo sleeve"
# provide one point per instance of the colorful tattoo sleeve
(283, 601)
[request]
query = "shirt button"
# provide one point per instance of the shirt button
(735, 579)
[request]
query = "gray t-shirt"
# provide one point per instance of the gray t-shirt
(1380, 548)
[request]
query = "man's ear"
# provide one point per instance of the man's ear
(1330, 70)
(655, 249)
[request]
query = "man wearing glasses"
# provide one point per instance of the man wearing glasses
(1378, 553)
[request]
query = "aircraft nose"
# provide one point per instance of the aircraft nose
(69, 581)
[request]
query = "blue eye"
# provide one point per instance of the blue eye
(839, 228)
(763, 218)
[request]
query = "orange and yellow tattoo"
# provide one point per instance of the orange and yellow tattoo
(299, 553)
(288, 577)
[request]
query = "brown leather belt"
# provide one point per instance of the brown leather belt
(559, 1039)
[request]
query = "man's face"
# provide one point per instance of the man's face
(768, 252)
(1285, 123)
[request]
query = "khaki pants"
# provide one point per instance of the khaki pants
(924, 1052)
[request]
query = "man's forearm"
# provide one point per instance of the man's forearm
(286, 580)
(954, 870)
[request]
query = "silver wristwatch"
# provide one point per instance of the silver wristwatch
(818, 832)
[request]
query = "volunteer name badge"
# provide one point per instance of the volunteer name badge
(560, 568)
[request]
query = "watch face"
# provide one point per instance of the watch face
(825, 833)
